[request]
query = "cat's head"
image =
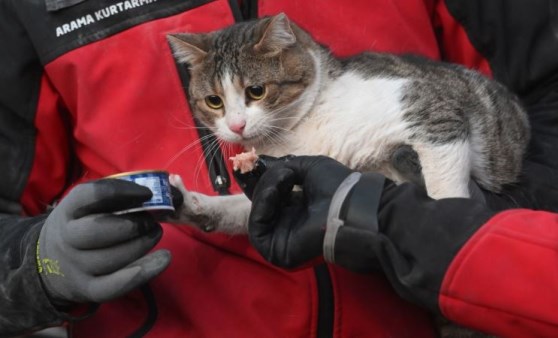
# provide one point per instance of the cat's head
(252, 81)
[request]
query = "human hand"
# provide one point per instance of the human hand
(375, 224)
(86, 253)
(287, 227)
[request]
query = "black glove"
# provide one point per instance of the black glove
(86, 253)
(247, 181)
(361, 222)
(287, 227)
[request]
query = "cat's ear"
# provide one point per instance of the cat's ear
(188, 48)
(277, 36)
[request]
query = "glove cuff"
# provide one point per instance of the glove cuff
(24, 301)
(354, 204)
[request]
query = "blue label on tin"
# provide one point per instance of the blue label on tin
(158, 183)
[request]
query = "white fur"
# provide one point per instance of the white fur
(354, 120)
(446, 168)
(227, 214)
(235, 108)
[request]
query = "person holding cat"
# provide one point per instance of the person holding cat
(457, 257)
(90, 88)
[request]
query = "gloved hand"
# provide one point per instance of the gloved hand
(287, 227)
(364, 222)
(86, 253)
(247, 181)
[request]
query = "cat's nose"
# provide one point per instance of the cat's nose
(237, 127)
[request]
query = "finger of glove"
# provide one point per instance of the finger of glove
(299, 236)
(284, 248)
(318, 174)
(248, 180)
(270, 196)
(100, 231)
(109, 259)
(103, 196)
(107, 287)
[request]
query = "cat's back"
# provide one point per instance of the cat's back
(443, 103)
(406, 66)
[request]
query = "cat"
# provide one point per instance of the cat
(267, 84)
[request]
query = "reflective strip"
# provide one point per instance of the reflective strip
(333, 221)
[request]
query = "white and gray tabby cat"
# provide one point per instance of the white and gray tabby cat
(267, 84)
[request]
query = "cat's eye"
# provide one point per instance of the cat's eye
(214, 102)
(255, 92)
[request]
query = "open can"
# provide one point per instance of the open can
(158, 182)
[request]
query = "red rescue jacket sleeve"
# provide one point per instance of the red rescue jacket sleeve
(505, 279)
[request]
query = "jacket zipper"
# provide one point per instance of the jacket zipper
(218, 173)
(325, 302)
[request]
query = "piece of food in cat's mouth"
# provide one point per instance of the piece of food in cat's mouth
(244, 162)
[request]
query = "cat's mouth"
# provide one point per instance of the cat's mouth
(250, 139)
(242, 139)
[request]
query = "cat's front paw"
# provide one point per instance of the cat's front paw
(192, 211)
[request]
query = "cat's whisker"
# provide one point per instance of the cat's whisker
(227, 150)
(185, 149)
(189, 128)
(179, 121)
(275, 135)
(198, 168)
(275, 114)
(278, 128)
(202, 160)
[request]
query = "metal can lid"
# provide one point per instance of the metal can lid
(138, 172)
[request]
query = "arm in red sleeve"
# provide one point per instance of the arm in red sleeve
(505, 279)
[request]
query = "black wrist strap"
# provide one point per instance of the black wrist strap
(354, 204)
(361, 210)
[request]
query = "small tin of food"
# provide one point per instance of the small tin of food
(158, 182)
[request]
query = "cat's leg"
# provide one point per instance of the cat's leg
(446, 168)
(228, 214)
(404, 166)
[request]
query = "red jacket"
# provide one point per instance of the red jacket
(505, 281)
(106, 97)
